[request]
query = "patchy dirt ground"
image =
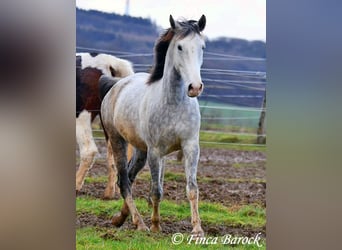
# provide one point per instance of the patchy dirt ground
(229, 177)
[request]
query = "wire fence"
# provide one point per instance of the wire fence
(223, 120)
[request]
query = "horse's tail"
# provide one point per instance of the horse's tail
(106, 83)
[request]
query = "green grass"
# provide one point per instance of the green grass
(226, 137)
(227, 140)
(89, 179)
(96, 238)
(168, 176)
(211, 213)
(247, 164)
(234, 146)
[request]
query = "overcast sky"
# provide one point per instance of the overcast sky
(230, 18)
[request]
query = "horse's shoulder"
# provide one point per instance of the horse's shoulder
(140, 78)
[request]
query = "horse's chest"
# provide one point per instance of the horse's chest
(169, 127)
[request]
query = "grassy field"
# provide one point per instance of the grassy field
(95, 238)
(211, 214)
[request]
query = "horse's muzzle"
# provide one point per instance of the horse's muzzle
(195, 89)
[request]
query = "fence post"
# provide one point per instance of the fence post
(261, 139)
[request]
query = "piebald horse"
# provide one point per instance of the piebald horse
(158, 113)
(89, 68)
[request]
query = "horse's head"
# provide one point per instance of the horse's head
(187, 49)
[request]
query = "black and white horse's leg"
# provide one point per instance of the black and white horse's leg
(191, 157)
(156, 168)
(119, 147)
(87, 147)
(112, 173)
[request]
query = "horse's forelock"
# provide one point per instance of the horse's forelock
(187, 28)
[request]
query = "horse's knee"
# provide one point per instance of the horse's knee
(157, 194)
(89, 152)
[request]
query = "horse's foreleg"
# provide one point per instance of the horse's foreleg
(87, 147)
(119, 153)
(156, 169)
(191, 156)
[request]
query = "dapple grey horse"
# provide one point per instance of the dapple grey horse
(158, 113)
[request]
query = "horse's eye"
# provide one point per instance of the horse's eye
(180, 48)
(202, 47)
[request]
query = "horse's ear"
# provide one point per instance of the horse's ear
(201, 23)
(172, 22)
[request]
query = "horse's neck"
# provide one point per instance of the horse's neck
(173, 86)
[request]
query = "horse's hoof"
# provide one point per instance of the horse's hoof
(108, 194)
(197, 233)
(118, 220)
(155, 228)
(149, 201)
(142, 227)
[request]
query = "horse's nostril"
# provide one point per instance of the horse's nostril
(191, 87)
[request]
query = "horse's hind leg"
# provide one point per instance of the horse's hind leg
(112, 173)
(191, 156)
(136, 163)
(119, 152)
(87, 147)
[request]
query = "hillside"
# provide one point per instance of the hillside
(123, 35)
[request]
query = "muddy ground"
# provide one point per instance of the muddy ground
(230, 177)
